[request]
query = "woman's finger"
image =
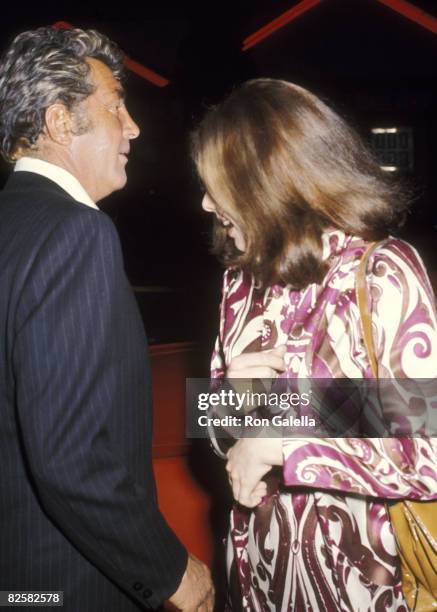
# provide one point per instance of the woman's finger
(254, 372)
(260, 489)
(271, 359)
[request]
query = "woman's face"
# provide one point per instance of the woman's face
(226, 221)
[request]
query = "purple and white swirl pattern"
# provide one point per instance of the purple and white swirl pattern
(322, 540)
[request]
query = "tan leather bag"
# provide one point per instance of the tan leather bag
(414, 523)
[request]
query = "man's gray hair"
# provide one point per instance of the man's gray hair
(42, 67)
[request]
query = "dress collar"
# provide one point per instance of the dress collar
(334, 241)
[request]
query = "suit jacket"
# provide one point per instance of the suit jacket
(78, 508)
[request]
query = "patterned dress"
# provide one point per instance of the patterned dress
(322, 540)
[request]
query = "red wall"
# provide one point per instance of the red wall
(183, 500)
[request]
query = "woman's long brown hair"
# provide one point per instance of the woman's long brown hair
(285, 167)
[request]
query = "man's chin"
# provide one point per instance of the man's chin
(115, 186)
(120, 182)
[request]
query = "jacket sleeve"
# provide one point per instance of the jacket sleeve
(78, 363)
(405, 337)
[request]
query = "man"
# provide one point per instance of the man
(78, 508)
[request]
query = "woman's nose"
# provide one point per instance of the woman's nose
(208, 203)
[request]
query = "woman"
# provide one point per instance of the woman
(297, 199)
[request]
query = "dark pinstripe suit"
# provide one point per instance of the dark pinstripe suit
(78, 509)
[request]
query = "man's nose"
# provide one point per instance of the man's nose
(130, 128)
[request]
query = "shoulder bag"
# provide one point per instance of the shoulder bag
(414, 522)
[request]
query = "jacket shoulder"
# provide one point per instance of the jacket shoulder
(31, 207)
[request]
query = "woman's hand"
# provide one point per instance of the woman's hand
(251, 458)
(248, 461)
(262, 364)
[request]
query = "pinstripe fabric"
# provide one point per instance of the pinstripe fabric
(78, 508)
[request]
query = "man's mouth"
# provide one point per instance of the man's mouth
(125, 151)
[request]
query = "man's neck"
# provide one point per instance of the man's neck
(59, 175)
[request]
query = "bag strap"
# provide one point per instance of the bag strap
(363, 307)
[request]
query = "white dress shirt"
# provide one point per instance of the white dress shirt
(58, 175)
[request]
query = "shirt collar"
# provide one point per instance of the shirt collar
(58, 175)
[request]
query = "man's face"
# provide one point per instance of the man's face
(99, 155)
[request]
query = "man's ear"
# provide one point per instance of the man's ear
(59, 124)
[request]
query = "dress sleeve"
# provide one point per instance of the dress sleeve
(405, 337)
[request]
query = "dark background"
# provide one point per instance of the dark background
(373, 65)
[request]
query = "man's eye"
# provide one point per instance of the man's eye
(116, 107)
